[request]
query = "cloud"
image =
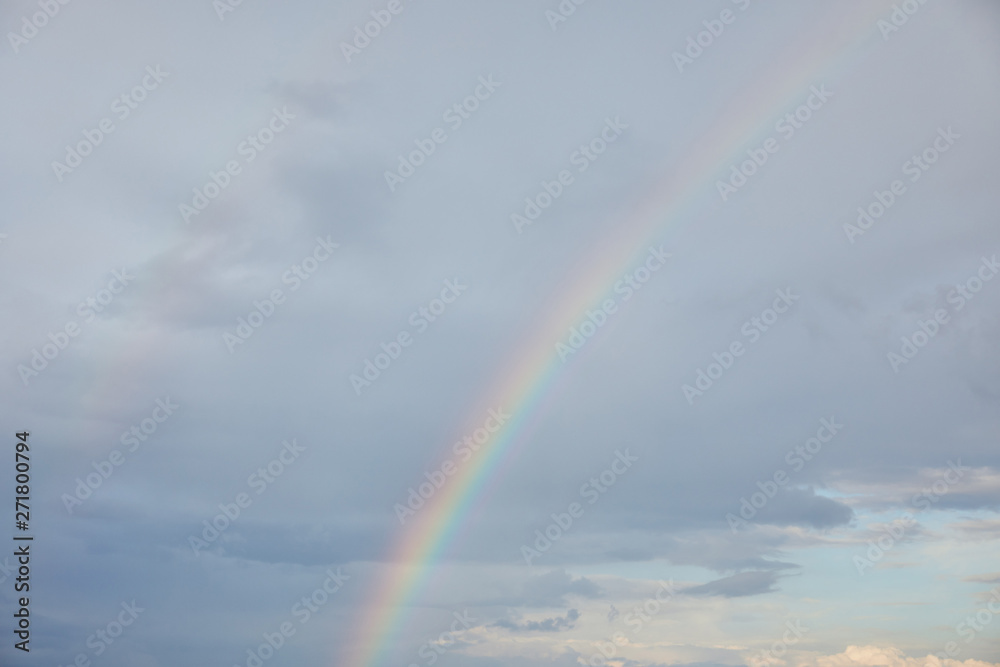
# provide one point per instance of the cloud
(613, 613)
(874, 656)
(960, 486)
(979, 529)
(738, 585)
(634, 663)
(554, 624)
(802, 507)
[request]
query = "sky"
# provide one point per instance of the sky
(507, 334)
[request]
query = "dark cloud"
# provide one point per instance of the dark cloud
(802, 507)
(738, 585)
(554, 624)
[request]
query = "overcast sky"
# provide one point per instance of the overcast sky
(252, 257)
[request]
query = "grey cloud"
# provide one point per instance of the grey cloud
(554, 624)
(738, 585)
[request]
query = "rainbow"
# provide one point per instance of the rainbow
(814, 59)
